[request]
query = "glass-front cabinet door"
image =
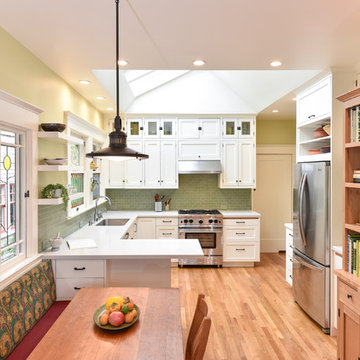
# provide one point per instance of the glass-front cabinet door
(245, 128)
(168, 128)
(151, 128)
(229, 128)
(134, 128)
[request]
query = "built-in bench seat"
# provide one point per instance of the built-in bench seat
(27, 310)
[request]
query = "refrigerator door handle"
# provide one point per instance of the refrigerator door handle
(307, 264)
(300, 215)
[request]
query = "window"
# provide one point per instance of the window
(12, 170)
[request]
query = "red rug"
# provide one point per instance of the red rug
(31, 339)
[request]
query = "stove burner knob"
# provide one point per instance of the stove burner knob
(215, 221)
(191, 221)
(201, 221)
(185, 221)
(210, 221)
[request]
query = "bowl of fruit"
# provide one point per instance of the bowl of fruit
(119, 312)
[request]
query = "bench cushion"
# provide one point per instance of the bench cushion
(23, 303)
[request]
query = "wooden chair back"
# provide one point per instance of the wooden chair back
(199, 331)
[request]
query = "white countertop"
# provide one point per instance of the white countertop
(240, 213)
(110, 244)
(289, 226)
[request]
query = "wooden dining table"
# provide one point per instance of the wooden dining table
(156, 335)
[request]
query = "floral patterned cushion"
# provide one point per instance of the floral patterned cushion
(22, 304)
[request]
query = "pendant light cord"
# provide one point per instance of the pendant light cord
(117, 118)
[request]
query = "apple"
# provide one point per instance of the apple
(116, 318)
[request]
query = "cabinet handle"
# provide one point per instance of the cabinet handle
(349, 296)
(199, 128)
(291, 235)
(240, 222)
(290, 276)
(160, 128)
(141, 181)
(237, 180)
(141, 128)
(238, 128)
(82, 268)
(311, 116)
(76, 288)
(291, 260)
(158, 181)
(199, 156)
(240, 233)
(162, 181)
(167, 233)
(167, 221)
(242, 249)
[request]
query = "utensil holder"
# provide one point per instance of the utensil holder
(167, 207)
(158, 205)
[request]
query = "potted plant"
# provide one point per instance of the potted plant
(53, 191)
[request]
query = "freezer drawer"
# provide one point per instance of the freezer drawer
(311, 287)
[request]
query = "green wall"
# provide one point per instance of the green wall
(23, 75)
(276, 132)
(195, 191)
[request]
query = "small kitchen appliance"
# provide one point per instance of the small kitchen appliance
(207, 227)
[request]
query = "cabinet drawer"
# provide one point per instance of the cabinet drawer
(240, 222)
(167, 232)
(68, 288)
(240, 252)
(233, 233)
(79, 268)
(348, 295)
(167, 221)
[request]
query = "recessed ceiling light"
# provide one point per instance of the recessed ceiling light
(84, 82)
(275, 111)
(199, 62)
(276, 63)
(122, 62)
(109, 109)
(100, 98)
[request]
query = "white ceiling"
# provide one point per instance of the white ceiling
(74, 37)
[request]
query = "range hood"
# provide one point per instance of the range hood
(199, 167)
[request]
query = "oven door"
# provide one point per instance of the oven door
(210, 240)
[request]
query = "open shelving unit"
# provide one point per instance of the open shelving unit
(349, 284)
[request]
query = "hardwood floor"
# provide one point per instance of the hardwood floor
(253, 313)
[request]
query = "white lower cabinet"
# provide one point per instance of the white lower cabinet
(241, 241)
(238, 164)
(72, 275)
(145, 228)
(289, 256)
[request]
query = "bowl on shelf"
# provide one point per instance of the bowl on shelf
(319, 133)
(53, 127)
(327, 129)
(325, 149)
(55, 161)
(314, 152)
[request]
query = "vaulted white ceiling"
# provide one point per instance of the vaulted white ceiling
(75, 37)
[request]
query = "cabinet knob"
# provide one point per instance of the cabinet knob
(349, 296)
(238, 128)
(158, 181)
(199, 156)
(160, 128)
(141, 128)
(199, 128)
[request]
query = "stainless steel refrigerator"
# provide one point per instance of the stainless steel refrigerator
(311, 256)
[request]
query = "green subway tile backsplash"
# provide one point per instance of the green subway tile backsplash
(52, 219)
(195, 191)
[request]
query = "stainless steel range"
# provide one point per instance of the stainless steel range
(207, 227)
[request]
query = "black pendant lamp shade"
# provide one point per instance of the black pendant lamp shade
(117, 149)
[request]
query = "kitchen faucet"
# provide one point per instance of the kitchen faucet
(98, 216)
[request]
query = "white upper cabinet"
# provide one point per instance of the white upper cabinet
(238, 164)
(160, 170)
(116, 174)
(152, 166)
(134, 128)
(199, 150)
(234, 128)
(315, 102)
(169, 170)
(199, 128)
(134, 170)
(160, 128)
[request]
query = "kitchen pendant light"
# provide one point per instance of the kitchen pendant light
(117, 149)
